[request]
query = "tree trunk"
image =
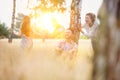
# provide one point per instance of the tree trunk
(28, 2)
(75, 20)
(107, 58)
(12, 23)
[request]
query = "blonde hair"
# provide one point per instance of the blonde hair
(25, 26)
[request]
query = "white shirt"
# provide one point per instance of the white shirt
(90, 32)
(66, 46)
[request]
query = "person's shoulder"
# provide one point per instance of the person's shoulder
(97, 22)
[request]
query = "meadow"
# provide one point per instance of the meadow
(41, 63)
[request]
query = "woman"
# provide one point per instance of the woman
(25, 33)
(90, 29)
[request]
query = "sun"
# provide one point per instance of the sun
(47, 22)
(43, 22)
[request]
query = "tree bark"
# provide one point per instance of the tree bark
(12, 23)
(107, 58)
(75, 19)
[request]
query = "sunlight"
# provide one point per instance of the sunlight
(43, 22)
(47, 22)
(22, 7)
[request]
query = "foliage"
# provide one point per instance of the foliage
(19, 20)
(83, 37)
(4, 31)
(50, 5)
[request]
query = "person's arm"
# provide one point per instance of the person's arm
(83, 30)
(92, 32)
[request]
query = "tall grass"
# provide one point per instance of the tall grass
(41, 63)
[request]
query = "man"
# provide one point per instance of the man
(67, 47)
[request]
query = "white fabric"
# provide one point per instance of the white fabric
(90, 32)
(26, 42)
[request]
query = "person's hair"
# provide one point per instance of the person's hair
(25, 26)
(92, 16)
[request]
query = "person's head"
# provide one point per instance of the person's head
(68, 34)
(90, 18)
(25, 25)
(26, 19)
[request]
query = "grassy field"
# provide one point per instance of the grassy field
(41, 63)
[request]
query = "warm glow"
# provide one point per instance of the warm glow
(43, 22)
(22, 6)
(47, 22)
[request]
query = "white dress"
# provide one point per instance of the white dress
(26, 42)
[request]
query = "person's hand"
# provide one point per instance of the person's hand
(79, 27)
(82, 31)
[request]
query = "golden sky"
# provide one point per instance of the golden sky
(6, 9)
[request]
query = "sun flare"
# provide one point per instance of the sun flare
(43, 22)
(47, 22)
